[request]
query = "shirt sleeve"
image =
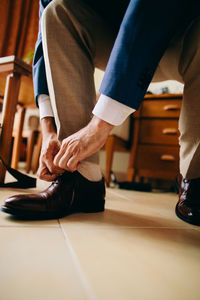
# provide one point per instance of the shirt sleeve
(45, 108)
(111, 110)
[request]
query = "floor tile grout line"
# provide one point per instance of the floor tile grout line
(116, 193)
(100, 227)
(57, 225)
(27, 226)
(120, 196)
(89, 291)
(142, 227)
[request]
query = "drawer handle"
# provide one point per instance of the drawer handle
(167, 157)
(171, 107)
(170, 131)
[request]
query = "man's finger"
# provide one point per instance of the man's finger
(58, 157)
(48, 177)
(62, 157)
(52, 168)
(43, 173)
(72, 163)
(63, 161)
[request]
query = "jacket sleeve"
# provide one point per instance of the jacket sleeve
(39, 74)
(145, 33)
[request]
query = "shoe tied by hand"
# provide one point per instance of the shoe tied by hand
(69, 193)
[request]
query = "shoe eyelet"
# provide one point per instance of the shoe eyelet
(185, 180)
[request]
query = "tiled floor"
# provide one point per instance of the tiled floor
(137, 249)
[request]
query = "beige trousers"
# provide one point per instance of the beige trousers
(181, 62)
(76, 40)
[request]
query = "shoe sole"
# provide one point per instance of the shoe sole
(26, 215)
(193, 222)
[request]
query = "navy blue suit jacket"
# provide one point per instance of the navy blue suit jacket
(39, 74)
(145, 32)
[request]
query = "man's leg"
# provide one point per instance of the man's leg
(182, 62)
(75, 39)
(189, 123)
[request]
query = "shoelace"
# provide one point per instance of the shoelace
(23, 181)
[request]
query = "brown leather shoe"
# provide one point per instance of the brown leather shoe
(69, 193)
(188, 206)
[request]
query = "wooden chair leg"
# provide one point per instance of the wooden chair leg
(30, 146)
(131, 172)
(110, 147)
(8, 113)
(18, 138)
(37, 153)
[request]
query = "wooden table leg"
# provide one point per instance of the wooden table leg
(18, 138)
(131, 172)
(30, 146)
(37, 152)
(8, 114)
(110, 146)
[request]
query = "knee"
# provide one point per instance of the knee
(48, 15)
(51, 13)
(190, 57)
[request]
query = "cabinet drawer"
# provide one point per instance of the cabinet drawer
(157, 161)
(159, 132)
(169, 108)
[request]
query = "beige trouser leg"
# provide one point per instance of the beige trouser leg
(75, 40)
(182, 63)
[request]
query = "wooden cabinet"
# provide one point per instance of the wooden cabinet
(155, 150)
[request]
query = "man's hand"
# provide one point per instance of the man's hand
(82, 144)
(50, 147)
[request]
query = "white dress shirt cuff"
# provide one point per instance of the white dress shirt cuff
(45, 106)
(111, 110)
